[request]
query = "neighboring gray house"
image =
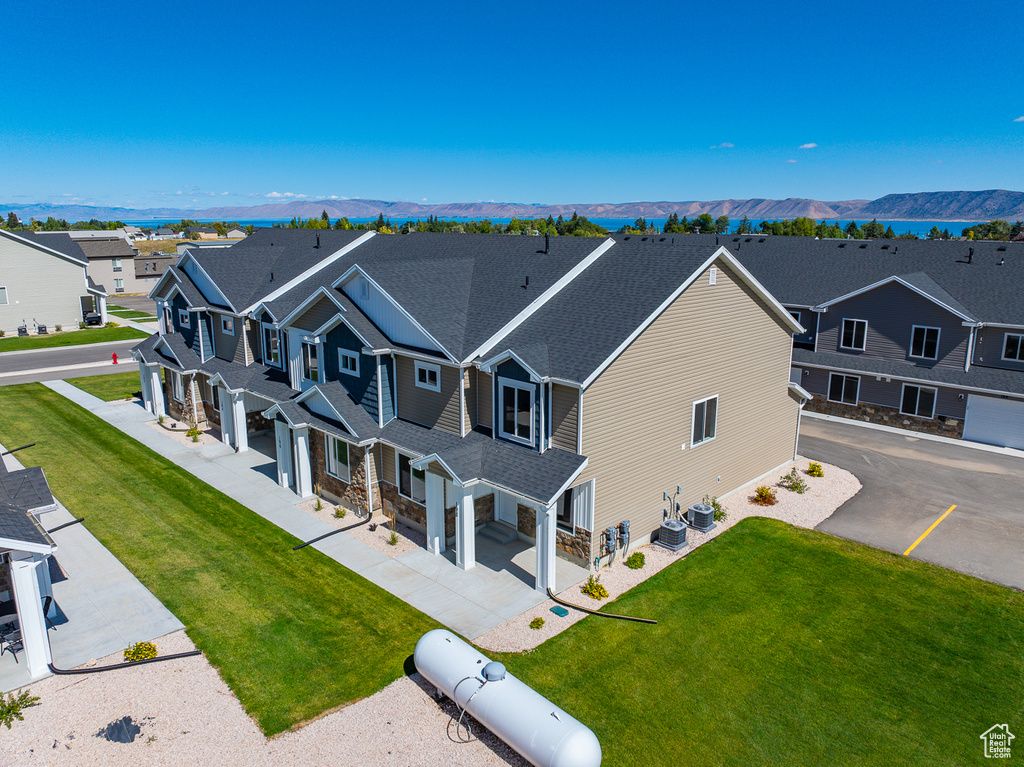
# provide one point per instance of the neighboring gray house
(112, 263)
(149, 268)
(237, 234)
(546, 391)
(44, 282)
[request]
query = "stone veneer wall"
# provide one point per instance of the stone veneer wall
(352, 495)
(256, 422)
(176, 409)
(395, 504)
(889, 416)
(576, 546)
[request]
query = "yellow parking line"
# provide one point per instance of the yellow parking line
(925, 533)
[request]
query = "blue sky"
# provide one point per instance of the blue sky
(196, 105)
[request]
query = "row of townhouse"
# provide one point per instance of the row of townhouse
(557, 388)
(917, 334)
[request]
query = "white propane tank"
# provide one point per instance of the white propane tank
(541, 732)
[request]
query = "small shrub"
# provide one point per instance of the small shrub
(537, 623)
(110, 325)
(2, 332)
(319, 504)
(815, 469)
(139, 651)
(340, 512)
(160, 420)
(58, 328)
(81, 325)
(11, 706)
(393, 539)
(712, 501)
(636, 560)
(765, 496)
(193, 433)
(594, 589)
(793, 481)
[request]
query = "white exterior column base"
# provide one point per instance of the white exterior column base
(25, 584)
(226, 420)
(465, 528)
(156, 388)
(545, 546)
(239, 426)
(435, 513)
(303, 470)
(283, 438)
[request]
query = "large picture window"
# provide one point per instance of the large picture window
(845, 389)
(924, 342)
(311, 362)
(516, 410)
(854, 334)
(337, 459)
(705, 420)
(271, 346)
(918, 400)
(1013, 347)
(411, 482)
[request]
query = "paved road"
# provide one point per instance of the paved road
(139, 303)
(65, 362)
(910, 482)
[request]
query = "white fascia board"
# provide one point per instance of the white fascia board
(561, 382)
(312, 270)
(421, 463)
(491, 365)
(1005, 325)
(320, 292)
(262, 307)
(95, 291)
(801, 391)
(568, 482)
(275, 410)
(309, 393)
(921, 381)
(762, 292)
(161, 343)
(176, 291)
(356, 269)
(45, 248)
(904, 283)
(450, 362)
(542, 299)
(33, 548)
(159, 284)
(217, 379)
(213, 284)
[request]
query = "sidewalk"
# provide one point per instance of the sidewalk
(469, 602)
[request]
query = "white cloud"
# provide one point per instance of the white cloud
(809, 146)
(178, 192)
(423, 200)
(1019, 119)
(790, 160)
(283, 195)
(723, 145)
(224, 193)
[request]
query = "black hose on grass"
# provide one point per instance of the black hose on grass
(600, 614)
(333, 532)
(95, 669)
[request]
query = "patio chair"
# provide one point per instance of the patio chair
(47, 601)
(10, 641)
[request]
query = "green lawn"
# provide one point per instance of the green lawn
(131, 314)
(779, 645)
(293, 634)
(68, 338)
(116, 386)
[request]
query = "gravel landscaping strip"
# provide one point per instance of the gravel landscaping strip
(378, 538)
(179, 435)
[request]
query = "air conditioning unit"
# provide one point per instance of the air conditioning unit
(672, 534)
(701, 517)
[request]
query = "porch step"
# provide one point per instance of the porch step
(499, 532)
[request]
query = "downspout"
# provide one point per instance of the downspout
(463, 375)
(970, 349)
(380, 397)
(192, 391)
(543, 407)
(369, 487)
(394, 386)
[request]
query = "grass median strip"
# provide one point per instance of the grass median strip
(293, 634)
(779, 645)
(70, 338)
(115, 386)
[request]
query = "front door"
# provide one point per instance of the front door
(507, 508)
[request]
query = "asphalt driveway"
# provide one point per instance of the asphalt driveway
(910, 482)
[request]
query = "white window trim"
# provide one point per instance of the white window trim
(329, 448)
(429, 367)
(1020, 347)
(919, 387)
(398, 477)
(118, 285)
(6, 296)
(828, 394)
(214, 395)
(938, 339)
(224, 320)
(319, 363)
(177, 387)
(796, 314)
(342, 355)
(279, 365)
(116, 264)
(842, 332)
(693, 417)
(184, 319)
(503, 382)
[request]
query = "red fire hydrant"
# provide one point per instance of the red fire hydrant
(114, 355)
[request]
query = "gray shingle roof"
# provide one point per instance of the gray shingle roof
(350, 410)
(184, 358)
(26, 489)
(59, 241)
(116, 247)
(269, 383)
(17, 524)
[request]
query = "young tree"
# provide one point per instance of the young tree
(721, 225)
(13, 222)
(934, 233)
(745, 227)
(852, 230)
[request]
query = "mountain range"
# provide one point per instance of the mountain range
(921, 206)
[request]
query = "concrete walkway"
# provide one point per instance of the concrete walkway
(468, 602)
(102, 608)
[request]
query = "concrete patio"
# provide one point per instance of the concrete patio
(470, 602)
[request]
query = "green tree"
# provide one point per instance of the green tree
(745, 226)
(704, 223)
(13, 222)
(934, 233)
(873, 230)
(852, 230)
(721, 225)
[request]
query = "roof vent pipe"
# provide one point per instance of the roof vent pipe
(547, 243)
(970, 255)
(318, 241)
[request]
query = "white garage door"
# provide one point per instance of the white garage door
(996, 421)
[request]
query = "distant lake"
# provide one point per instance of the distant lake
(920, 228)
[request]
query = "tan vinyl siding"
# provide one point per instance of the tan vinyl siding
(469, 389)
(713, 340)
(564, 416)
(374, 456)
(316, 316)
(388, 471)
(484, 399)
(425, 407)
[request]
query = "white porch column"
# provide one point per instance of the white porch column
(156, 386)
(226, 421)
(104, 317)
(283, 437)
(30, 613)
(545, 546)
(238, 422)
(145, 383)
(303, 470)
(435, 513)
(465, 528)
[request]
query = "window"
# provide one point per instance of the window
(516, 410)
(845, 389)
(411, 482)
(795, 314)
(924, 342)
(117, 264)
(177, 389)
(3, 296)
(337, 458)
(705, 420)
(563, 518)
(918, 400)
(854, 332)
(119, 286)
(575, 508)
(183, 319)
(211, 396)
(227, 325)
(428, 376)
(348, 362)
(310, 362)
(1013, 347)
(271, 346)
